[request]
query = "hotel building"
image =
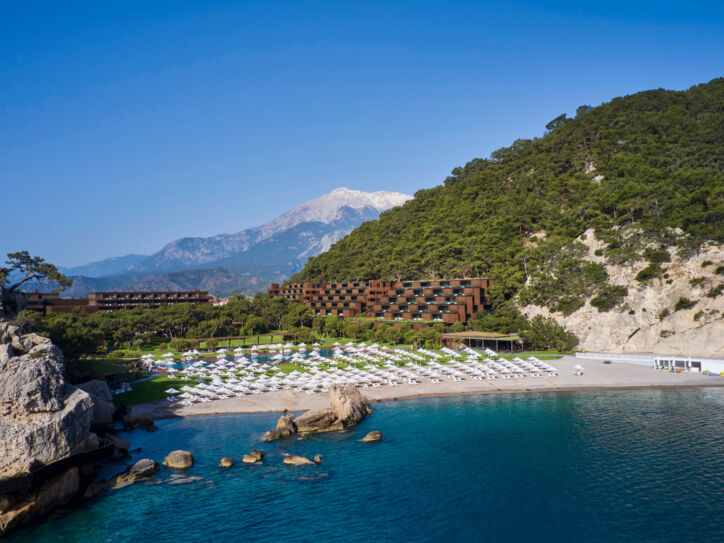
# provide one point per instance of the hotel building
(444, 300)
(108, 301)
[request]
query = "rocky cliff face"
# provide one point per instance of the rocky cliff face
(648, 320)
(41, 418)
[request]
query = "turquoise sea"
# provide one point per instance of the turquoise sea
(570, 466)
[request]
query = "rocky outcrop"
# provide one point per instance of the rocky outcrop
(318, 458)
(41, 418)
(285, 428)
(254, 457)
(143, 469)
(103, 408)
(226, 462)
(647, 320)
(372, 437)
(57, 491)
(296, 460)
(143, 422)
(347, 408)
(179, 460)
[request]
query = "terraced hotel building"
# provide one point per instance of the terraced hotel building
(444, 300)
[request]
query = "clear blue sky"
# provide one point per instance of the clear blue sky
(124, 125)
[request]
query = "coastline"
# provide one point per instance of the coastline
(597, 376)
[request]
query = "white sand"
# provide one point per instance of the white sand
(596, 376)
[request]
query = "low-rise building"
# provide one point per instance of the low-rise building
(50, 302)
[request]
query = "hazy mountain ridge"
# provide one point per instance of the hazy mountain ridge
(250, 259)
(108, 266)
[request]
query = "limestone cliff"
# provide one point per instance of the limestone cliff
(42, 419)
(648, 320)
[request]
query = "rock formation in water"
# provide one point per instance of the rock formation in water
(254, 457)
(42, 419)
(226, 462)
(296, 460)
(179, 460)
(347, 407)
(372, 437)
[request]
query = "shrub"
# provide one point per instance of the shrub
(720, 270)
(663, 313)
(715, 291)
(211, 344)
(657, 256)
(609, 297)
(179, 344)
(548, 334)
(684, 303)
(697, 281)
(699, 315)
(666, 333)
(569, 304)
(706, 263)
(649, 272)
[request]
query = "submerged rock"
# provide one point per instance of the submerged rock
(185, 480)
(347, 407)
(179, 460)
(296, 460)
(144, 422)
(226, 462)
(372, 437)
(318, 459)
(254, 457)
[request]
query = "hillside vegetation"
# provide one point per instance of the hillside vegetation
(644, 172)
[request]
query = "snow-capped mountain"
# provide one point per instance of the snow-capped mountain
(340, 211)
(272, 251)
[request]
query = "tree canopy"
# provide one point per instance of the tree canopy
(22, 267)
(643, 170)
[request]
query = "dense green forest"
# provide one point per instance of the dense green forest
(645, 171)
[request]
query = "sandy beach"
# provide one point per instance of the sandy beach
(597, 375)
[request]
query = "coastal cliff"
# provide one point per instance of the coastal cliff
(677, 313)
(42, 419)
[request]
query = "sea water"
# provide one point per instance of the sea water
(572, 466)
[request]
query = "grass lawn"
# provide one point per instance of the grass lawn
(247, 342)
(149, 391)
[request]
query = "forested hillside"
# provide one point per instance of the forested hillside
(644, 171)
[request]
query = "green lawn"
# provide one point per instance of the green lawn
(150, 391)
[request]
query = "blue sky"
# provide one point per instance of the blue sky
(124, 125)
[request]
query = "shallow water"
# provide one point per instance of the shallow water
(573, 466)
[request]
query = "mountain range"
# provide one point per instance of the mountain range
(244, 261)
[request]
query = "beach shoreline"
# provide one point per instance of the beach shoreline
(597, 376)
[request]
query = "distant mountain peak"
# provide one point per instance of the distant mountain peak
(329, 208)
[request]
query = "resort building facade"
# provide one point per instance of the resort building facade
(129, 300)
(443, 300)
(109, 301)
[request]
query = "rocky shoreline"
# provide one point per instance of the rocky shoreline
(53, 436)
